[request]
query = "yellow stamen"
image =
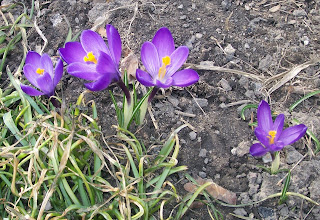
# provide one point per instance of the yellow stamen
(271, 136)
(40, 71)
(163, 69)
(90, 58)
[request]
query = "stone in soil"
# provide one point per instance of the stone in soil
(240, 211)
(201, 102)
(267, 213)
(203, 153)
(292, 155)
(192, 135)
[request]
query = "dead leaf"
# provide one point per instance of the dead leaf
(275, 8)
(288, 75)
(196, 205)
(102, 32)
(214, 190)
(130, 64)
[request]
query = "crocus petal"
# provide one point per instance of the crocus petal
(73, 52)
(144, 78)
(185, 77)
(30, 91)
(264, 116)
(278, 125)
(58, 72)
(166, 84)
(100, 84)
(45, 84)
(46, 64)
(292, 134)
(178, 58)
(276, 147)
(262, 136)
(257, 150)
(93, 42)
(83, 71)
(107, 66)
(33, 58)
(114, 42)
(150, 59)
(31, 75)
(164, 43)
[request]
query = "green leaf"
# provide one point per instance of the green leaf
(8, 121)
(245, 108)
(284, 196)
(302, 99)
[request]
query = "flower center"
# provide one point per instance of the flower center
(40, 71)
(90, 58)
(163, 69)
(271, 136)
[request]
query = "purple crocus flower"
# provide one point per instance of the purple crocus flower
(39, 71)
(271, 134)
(162, 62)
(91, 59)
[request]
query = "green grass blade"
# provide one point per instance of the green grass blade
(284, 196)
(8, 121)
(245, 108)
(302, 99)
(137, 107)
(28, 114)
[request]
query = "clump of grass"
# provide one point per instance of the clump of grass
(59, 164)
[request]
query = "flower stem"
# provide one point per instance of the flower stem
(125, 90)
(275, 162)
(153, 93)
(55, 102)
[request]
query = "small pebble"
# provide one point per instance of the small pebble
(305, 40)
(244, 81)
(250, 94)
(299, 13)
(183, 17)
(199, 35)
(56, 19)
(202, 174)
(265, 212)
(229, 50)
(240, 211)
(225, 85)
(201, 102)
(265, 62)
(203, 153)
(222, 99)
(206, 161)
(190, 42)
(226, 4)
(192, 135)
(292, 155)
(267, 158)
(174, 101)
(207, 63)
(284, 211)
(180, 6)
